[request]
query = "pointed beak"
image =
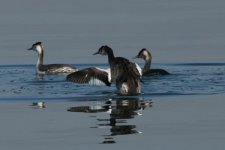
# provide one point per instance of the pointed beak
(96, 53)
(135, 57)
(29, 49)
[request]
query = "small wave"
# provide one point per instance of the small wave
(18, 82)
(198, 64)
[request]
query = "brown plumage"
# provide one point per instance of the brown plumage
(51, 68)
(123, 72)
(147, 57)
(90, 75)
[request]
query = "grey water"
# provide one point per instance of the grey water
(71, 31)
(20, 83)
(185, 37)
(175, 31)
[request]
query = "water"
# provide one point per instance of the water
(109, 119)
(174, 31)
(179, 34)
(19, 82)
(71, 31)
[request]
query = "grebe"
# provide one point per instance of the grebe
(147, 71)
(48, 69)
(123, 72)
(93, 76)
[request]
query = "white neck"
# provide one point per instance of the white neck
(147, 56)
(148, 61)
(40, 52)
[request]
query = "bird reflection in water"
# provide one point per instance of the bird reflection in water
(120, 110)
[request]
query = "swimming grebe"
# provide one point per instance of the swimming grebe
(93, 75)
(123, 72)
(147, 71)
(48, 69)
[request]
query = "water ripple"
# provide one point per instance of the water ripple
(18, 82)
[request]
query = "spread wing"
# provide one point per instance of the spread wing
(94, 76)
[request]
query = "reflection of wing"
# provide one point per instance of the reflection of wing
(94, 76)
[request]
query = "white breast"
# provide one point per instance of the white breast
(139, 69)
(124, 89)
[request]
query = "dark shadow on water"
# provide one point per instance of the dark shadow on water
(119, 111)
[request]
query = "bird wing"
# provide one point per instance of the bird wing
(128, 69)
(95, 76)
(152, 72)
(58, 68)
